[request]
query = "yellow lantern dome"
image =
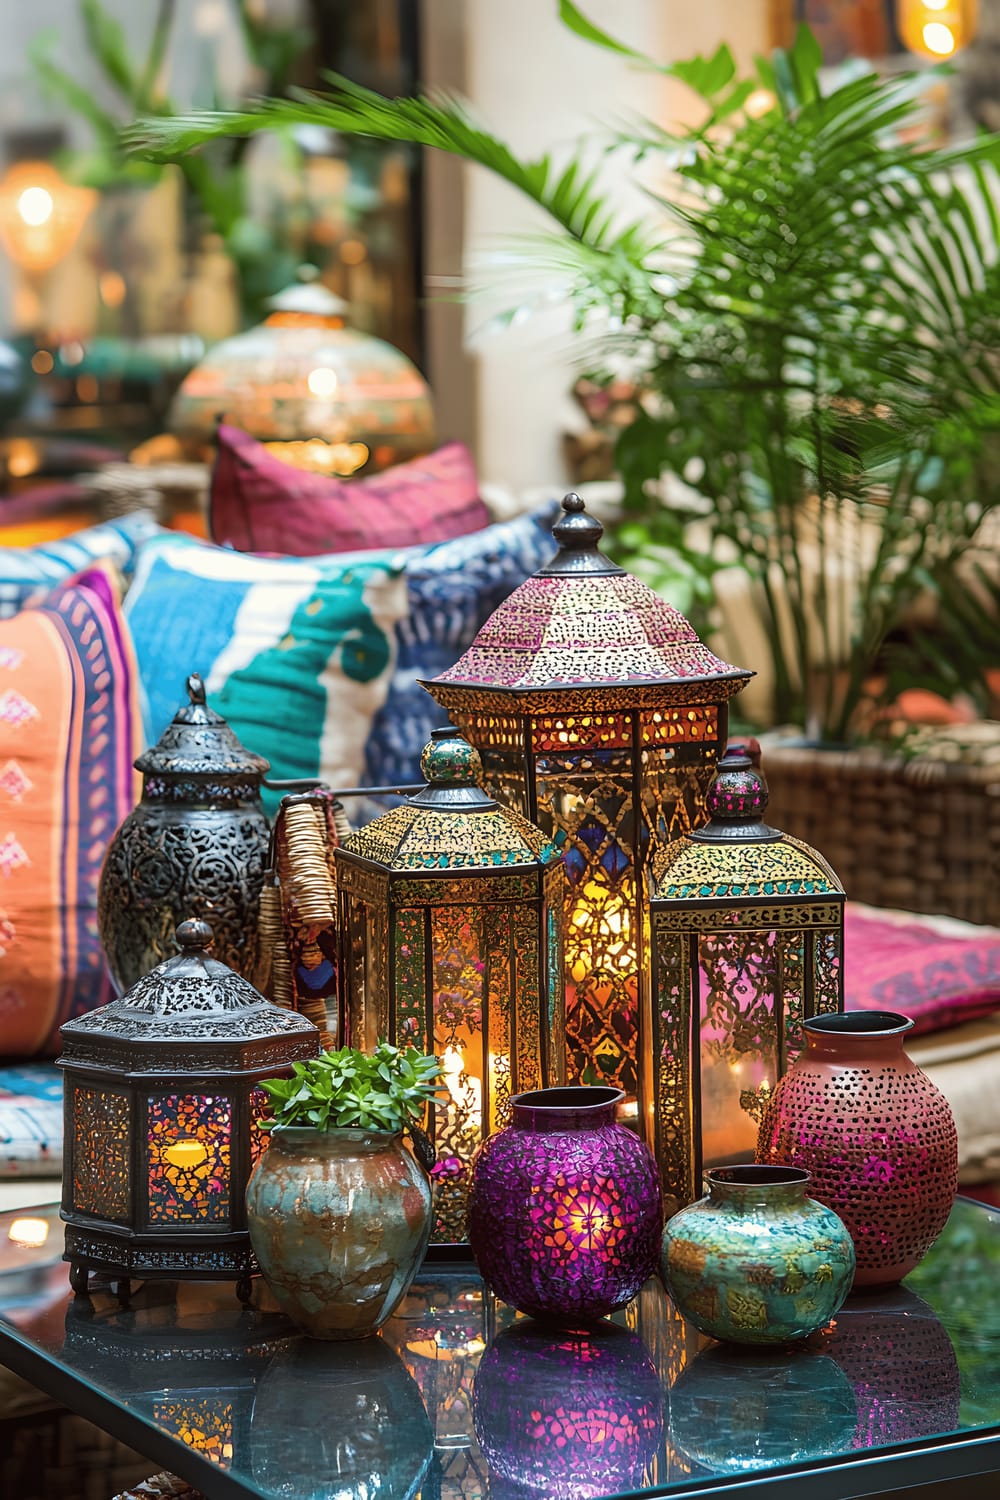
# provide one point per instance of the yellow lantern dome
(321, 395)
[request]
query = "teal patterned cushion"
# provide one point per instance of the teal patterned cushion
(296, 653)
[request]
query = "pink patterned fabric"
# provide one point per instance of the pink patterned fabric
(260, 504)
(936, 970)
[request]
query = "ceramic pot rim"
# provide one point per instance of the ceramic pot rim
(752, 1176)
(859, 1023)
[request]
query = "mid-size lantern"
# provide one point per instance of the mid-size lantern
(748, 942)
(163, 1120)
(600, 716)
(449, 915)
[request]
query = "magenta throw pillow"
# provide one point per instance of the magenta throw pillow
(260, 504)
(936, 970)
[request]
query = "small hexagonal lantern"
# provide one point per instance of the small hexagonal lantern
(449, 916)
(163, 1120)
(748, 942)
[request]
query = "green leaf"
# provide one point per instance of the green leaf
(106, 40)
(570, 16)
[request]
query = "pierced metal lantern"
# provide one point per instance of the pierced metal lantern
(748, 942)
(163, 1118)
(196, 846)
(321, 395)
(449, 916)
(600, 716)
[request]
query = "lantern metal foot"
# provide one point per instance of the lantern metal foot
(123, 1291)
(244, 1290)
(79, 1278)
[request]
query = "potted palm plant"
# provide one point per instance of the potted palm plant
(812, 312)
(338, 1210)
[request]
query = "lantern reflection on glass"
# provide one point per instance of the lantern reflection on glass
(449, 919)
(599, 715)
(748, 936)
(163, 1119)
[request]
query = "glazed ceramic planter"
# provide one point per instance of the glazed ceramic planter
(564, 1207)
(339, 1221)
(875, 1134)
(757, 1261)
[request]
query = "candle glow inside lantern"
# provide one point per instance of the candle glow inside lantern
(163, 1120)
(599, 715)
(449, 918)
(748, 941)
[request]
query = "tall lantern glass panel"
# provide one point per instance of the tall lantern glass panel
(600, 716)
(748, 941)
(449, 947)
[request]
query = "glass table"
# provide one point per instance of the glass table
(460, 1399)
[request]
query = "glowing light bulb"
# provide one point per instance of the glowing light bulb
(323, 382)
(939, 38)
(35, 206)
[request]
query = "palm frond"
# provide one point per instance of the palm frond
(570, 194)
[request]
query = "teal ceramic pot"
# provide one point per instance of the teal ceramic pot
(339, 1222)
(757, 1261)
(737, 1410)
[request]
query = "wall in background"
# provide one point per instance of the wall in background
(541, 87)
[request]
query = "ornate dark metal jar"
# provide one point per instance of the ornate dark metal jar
(196, 846)
(164, 1120)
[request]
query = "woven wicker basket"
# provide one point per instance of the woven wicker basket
(917, 828)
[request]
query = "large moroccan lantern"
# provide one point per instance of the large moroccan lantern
(449, 918)
(600, 716)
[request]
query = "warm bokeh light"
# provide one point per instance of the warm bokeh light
(40, 214)
(35, 206)
(758, 103)
(323, 382)
(939, 38)
(42, 362)
(111, 285)
(937, 29)
(30, 1234)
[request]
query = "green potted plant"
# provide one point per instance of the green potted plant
(812, 311)
(339, 1212)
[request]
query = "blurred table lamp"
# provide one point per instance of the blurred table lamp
(937, 29)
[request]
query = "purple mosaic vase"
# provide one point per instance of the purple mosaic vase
(565, 1208)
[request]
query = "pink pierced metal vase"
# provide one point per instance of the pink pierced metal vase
(877, 1136)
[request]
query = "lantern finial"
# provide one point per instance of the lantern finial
(578, 534)
(196, 688)
(735, 802)
(193, 936)
(449, 760)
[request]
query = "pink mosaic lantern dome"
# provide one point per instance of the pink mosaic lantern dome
(584, 622)
(601, 717)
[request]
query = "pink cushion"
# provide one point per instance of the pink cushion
(260, 504)
(936, 970)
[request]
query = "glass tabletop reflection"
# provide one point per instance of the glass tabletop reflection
(460, 1397)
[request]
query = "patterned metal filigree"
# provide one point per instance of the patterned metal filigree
(188, 1148)
(157, 1162)
(100, 1152)
(465, 967)
(196, 846)
(748, 927)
